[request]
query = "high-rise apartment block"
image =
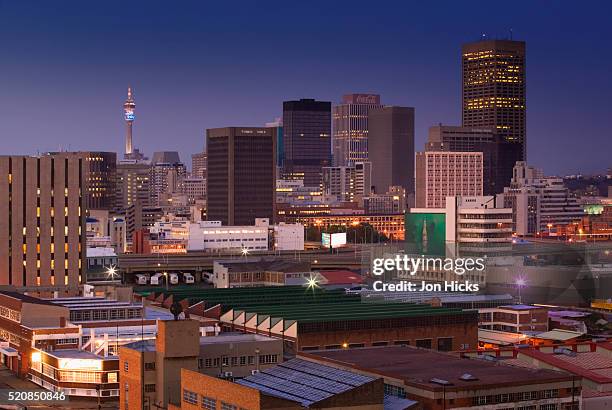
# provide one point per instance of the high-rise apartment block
(539, 203)
(42, 227)
(307, 139)
(499, 155)
(440, 174)
(350, 128)
(391, 147)
(494, 89)
(241, 183)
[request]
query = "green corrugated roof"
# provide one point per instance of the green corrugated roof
(303, 304)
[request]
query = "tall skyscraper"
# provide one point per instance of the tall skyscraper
(499, 155)
(280, 140)
(440, 174)
(100, 186)
(307, 138)
(101, 180)
(128, 112)
(42, 222)
(241, 183)
(391, 147)
(494, 89)
(350, 127)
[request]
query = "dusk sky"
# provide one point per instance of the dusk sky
(65, 67)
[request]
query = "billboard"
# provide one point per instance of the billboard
(333, 240)
(426, 232)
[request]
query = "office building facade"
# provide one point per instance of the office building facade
(307, 139)
(133, 184)
(42, 231)
(494, 89)
(350, 128)
(241, 183)
(499, 155)
(440, 174)
(347, 184)
(101, 180)
(391, 147)
(198, 165)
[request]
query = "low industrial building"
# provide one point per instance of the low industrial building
(259, 272)
(589, 363)
(293, 385)
(312, 318)
(151, 369)
(182, 236)
(441, 381)
(517, 318)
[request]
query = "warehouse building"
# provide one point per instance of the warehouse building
(315, 318)
(441, 381)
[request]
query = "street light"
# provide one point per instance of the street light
(111, 272)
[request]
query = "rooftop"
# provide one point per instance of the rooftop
(417, 367)
(498, 337)
(340, 277)
(100, 252)
(521, 307)
(595, 366)
(25, 298)
(234, 338)
(141, 346)
(76, 354)
(304, 382)
(305, 304)
(260, 265)
(559, 335)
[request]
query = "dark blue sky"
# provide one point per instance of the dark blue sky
(65, 66)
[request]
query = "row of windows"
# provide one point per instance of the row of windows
(236, 361)
(512, 397)
(445, 344)
(207, 403)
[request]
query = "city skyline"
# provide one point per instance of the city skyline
(167, 57)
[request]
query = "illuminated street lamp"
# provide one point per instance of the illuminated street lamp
(111, 272)
(245, 252)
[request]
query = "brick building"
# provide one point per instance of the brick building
(441, 381)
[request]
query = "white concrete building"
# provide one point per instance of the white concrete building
(288, 237)
(539, 203)
(204, 237)
(478, 223)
